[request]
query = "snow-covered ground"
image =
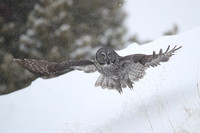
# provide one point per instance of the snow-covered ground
(166, 100)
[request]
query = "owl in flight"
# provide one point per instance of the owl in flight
(116, 71)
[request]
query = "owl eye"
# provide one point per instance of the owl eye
(102, 55)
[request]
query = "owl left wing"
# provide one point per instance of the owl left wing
(154, 59)
(44, 68)
(136, 64)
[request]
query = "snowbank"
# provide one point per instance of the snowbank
(165, 100)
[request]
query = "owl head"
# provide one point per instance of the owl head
(106, 56)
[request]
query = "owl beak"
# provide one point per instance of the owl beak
(108, 61)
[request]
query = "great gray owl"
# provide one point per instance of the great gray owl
(117, 72)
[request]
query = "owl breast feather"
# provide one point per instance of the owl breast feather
(112, 71)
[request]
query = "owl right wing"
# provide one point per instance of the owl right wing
(44, 68)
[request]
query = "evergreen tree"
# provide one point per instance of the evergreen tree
(64, 29)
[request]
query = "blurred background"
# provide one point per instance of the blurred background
(73, 29)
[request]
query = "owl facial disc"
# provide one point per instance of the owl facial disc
(105, 56)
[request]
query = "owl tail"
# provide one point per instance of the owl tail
(109, 83)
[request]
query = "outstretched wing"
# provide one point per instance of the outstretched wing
(152, 60)
(43, 67)
(136, 64)
(155, 59)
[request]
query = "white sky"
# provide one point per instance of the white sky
(149, 19)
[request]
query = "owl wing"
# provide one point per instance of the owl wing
(43, 67)
(136, 64)
(151, 60)
(155, 59)
(87, 68)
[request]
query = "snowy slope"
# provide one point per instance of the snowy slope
(165, 100)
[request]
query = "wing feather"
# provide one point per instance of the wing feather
(136, 64)
(136, 71)
(43, 67)
(151, 60)
(155, 59)
(86, 69)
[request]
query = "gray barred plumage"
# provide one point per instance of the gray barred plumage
(117, 72)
